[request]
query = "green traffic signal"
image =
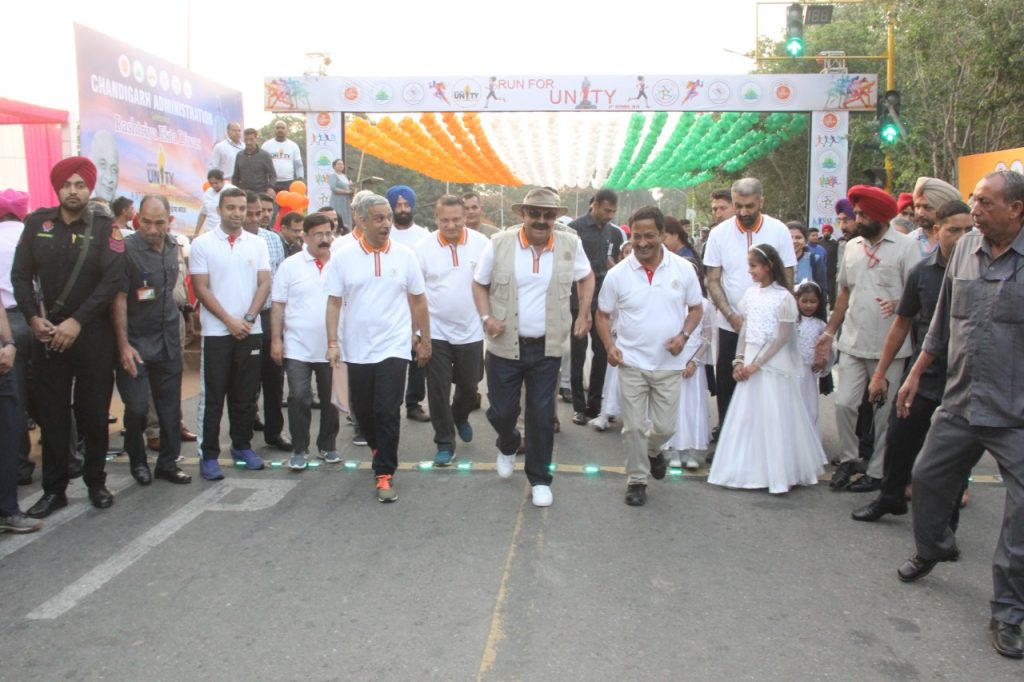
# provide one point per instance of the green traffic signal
(795, 30)
(795, 46)
(889, 132)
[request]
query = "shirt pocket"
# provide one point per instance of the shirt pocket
(964, 297)
(888, 282)
(501, 285)
(1009, 303)
(564, 294)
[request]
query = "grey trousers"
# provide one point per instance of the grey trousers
(646, 393)
(300, 405)
(950, 451)
(854, 375)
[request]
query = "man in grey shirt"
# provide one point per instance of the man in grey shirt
(254, 169)
(979, 321)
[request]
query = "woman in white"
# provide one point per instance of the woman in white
(767, 440)
(341, 193)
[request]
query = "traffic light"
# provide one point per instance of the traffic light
(795, 30)
(890, 128)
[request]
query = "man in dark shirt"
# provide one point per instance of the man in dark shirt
(77, 258)
(254, 169)
(913, 315)
(601, 242)
(147, 325)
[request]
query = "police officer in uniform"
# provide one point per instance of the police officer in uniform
(76, 258)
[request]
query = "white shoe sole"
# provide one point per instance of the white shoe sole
(504, 472)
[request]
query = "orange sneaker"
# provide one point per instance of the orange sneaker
(385, 491)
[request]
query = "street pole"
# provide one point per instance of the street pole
(890, 80)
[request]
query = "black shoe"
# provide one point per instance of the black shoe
(715, 432)
(174, 475)
(141, 474)
(579, 418)
(257, 424)
(280, 443)
(1006, 639)
(842, 474)
(47, 504)
(865, 484)
(880, 508)
(636, 494)
(100, 497)
(417, 414)
(659, 466)
(565, 394)
(111, 419)
(916, 568)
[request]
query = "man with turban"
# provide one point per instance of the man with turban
(905, 204)
(406, 232)
(78, 258)
(929, 195)
(872, 274)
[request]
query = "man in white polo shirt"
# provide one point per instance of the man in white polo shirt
(658, 300)
(725, 260)
(299, 340)
(226, 151)
(380, 285)
(231, 278)
(208, 216)
(447, 259)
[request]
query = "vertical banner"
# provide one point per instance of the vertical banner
(149, 125)
(828, 169)
(323, 146)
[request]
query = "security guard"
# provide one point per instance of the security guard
(147, 325)
(76, 259)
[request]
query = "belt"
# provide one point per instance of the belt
(530, 340)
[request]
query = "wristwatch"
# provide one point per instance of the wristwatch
(249, 317)
(484, 318)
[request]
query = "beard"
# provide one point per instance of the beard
(747, 221)
(403, 219)
(924, 223)
(869, 229)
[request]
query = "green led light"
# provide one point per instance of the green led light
(351, 464)
(552, 466)
(110, 458)
(425, 464)
(795, 46)
(276, 465)
(464, 465)
(240, 465)
(890, 132)
(591, 468)
(313, 464)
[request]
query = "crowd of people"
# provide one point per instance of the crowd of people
(360, 311)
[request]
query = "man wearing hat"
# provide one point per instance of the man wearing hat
(77, 257)
(929, 194)
(872, 274)
(521, 288)
(905, 204)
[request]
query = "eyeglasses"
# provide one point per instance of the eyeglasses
(536, 213)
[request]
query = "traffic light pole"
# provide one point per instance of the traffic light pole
(890, 80)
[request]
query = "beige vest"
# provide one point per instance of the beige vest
(504, 295)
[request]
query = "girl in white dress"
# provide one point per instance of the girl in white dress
(811, 304)
(768, 440)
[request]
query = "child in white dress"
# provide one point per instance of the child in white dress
(811, 304)
(768, 440)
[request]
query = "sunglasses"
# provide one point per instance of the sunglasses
(536, 213)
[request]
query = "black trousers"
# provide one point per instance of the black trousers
(230, 369)
(376, 391)
(590, 400)
(22, 335)
(9, 416)
(272, 383)
(724, 382)
(463, 365)
(160, 379)
(82, 376)
(505, 380)
(416, 390)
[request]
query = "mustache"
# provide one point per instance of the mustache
(324, 245)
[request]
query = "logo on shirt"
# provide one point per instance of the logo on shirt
(676, 284)
(48, 226)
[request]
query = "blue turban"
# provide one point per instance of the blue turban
(845, 207)
(403, 191)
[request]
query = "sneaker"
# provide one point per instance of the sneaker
(674, 461)
(600, 422)
(253, 462)
(444, 458)
(636, 494)
(506, 465)
(565, 394)
(465, 432)
(297, 462)
(210, 470)
(331, 457)
(385, 491)
(542, 496)
(691, 462)
(359, 438)
(19, 523)
(579, 418)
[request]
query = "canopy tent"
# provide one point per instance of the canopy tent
(43, 148)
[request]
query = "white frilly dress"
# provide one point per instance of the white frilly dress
(768, 440)
(693, 426)
(808, 330)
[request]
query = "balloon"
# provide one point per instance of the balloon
(206, 185)
(281, 199)
(305, 203)
(299, 187)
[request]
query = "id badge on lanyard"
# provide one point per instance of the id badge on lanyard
(145, 292)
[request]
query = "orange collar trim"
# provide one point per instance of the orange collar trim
(463, 238)
(369, 249)
(525, 243)
(755, 228)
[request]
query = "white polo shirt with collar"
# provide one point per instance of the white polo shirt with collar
(410, 236)
(232, 267)
(651, 307)
(211, 202)
(727, 248)
(299, 284)
(533, 274)
(448, 275)
(224, 154)
(374, 286)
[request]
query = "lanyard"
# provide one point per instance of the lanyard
(871, 252)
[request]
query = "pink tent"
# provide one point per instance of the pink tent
(42, 132)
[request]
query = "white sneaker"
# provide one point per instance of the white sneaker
(506, 465)
(673, 461)
(691, 462)
(600, 422)
(542, 496)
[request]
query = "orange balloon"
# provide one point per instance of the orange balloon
(299, 187)
(206, 185)
(305, 202)
(279, 199)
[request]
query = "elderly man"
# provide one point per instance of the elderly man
(381, 287)
(147, 326)
(872, 276)
(929, 195)
(226, 151)
(658, 300)
(447, 259)
(254, 169)
(78, 258)
(978, 325)
(521, 288)
(725, 261)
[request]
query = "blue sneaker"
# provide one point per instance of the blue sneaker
(465, 432)
(252, 461)
(444, 458)
(210, 470)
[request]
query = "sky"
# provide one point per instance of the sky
(237, 44)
